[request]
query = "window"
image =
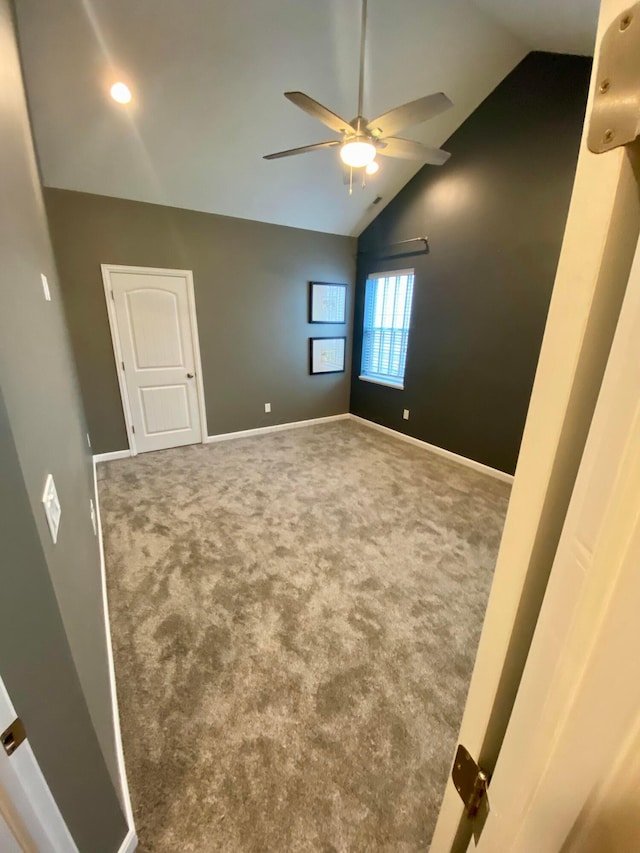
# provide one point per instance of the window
(385, 334)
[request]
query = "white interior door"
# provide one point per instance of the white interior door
(30, 821)
(8, 841)
(154, 331)
(597, 250)
(576, 718)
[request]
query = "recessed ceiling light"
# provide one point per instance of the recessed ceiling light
(121, 93)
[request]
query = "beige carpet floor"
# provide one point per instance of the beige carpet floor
(295, 618)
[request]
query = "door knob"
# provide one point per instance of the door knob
(189, 375)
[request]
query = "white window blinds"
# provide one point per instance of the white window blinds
(387, 314)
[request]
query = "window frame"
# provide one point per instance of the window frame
(380, 379)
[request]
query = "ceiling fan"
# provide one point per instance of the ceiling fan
(361, 139)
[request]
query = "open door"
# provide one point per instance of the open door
(577, 713)
(30, 820)
(593, 271)
(576, 718)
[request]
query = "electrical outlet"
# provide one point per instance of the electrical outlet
(45, 287)
(267, 407)
(92, 510)
(405, 414)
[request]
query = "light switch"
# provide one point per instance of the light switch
(52, 508)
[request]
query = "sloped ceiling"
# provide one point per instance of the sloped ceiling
(207, 78)
(568, 26)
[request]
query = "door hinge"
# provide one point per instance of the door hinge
(13, 736)
(122, 363)
(470, 781)
(133, 429)
(615, 113)
(113, 299)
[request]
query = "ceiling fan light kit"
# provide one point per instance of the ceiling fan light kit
(358, 152)
(361, 140)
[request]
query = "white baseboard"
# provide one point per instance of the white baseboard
(245, 433)
(114, 454)
(131, 840)
(447, 454)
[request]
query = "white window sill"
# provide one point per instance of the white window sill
(385, 382)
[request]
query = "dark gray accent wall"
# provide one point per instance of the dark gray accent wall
(39, 674)
(495, 217)
(250, 283)
(43, 406)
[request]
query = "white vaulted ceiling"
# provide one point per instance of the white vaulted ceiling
(561, 27)
(208, 78)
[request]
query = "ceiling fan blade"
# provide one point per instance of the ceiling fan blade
(318, 111)
(415, 112)
(291, 151)
(407, 149)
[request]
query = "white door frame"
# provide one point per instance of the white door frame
(30, 798)
(597, 249)
(107, 269)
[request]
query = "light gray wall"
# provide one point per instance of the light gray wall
(42, 398)
(251, 291)
(38, 671)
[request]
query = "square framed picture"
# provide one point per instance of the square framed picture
(327, 302)
(326, 355)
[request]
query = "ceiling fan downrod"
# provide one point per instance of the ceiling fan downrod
(363, 37)
(361, 140)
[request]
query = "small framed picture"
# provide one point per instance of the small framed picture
(326, 355)
(327, 302)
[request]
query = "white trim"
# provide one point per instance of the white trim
(447, 454)
(245, 433)
(131, 841)
(29, 794)
(384, 382)
(391, 273)
(117, 355)
(113, 454)
(195, 340)
(187, 275)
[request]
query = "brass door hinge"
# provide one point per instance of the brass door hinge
(470, 781)
(615, 114)
(13, 736)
